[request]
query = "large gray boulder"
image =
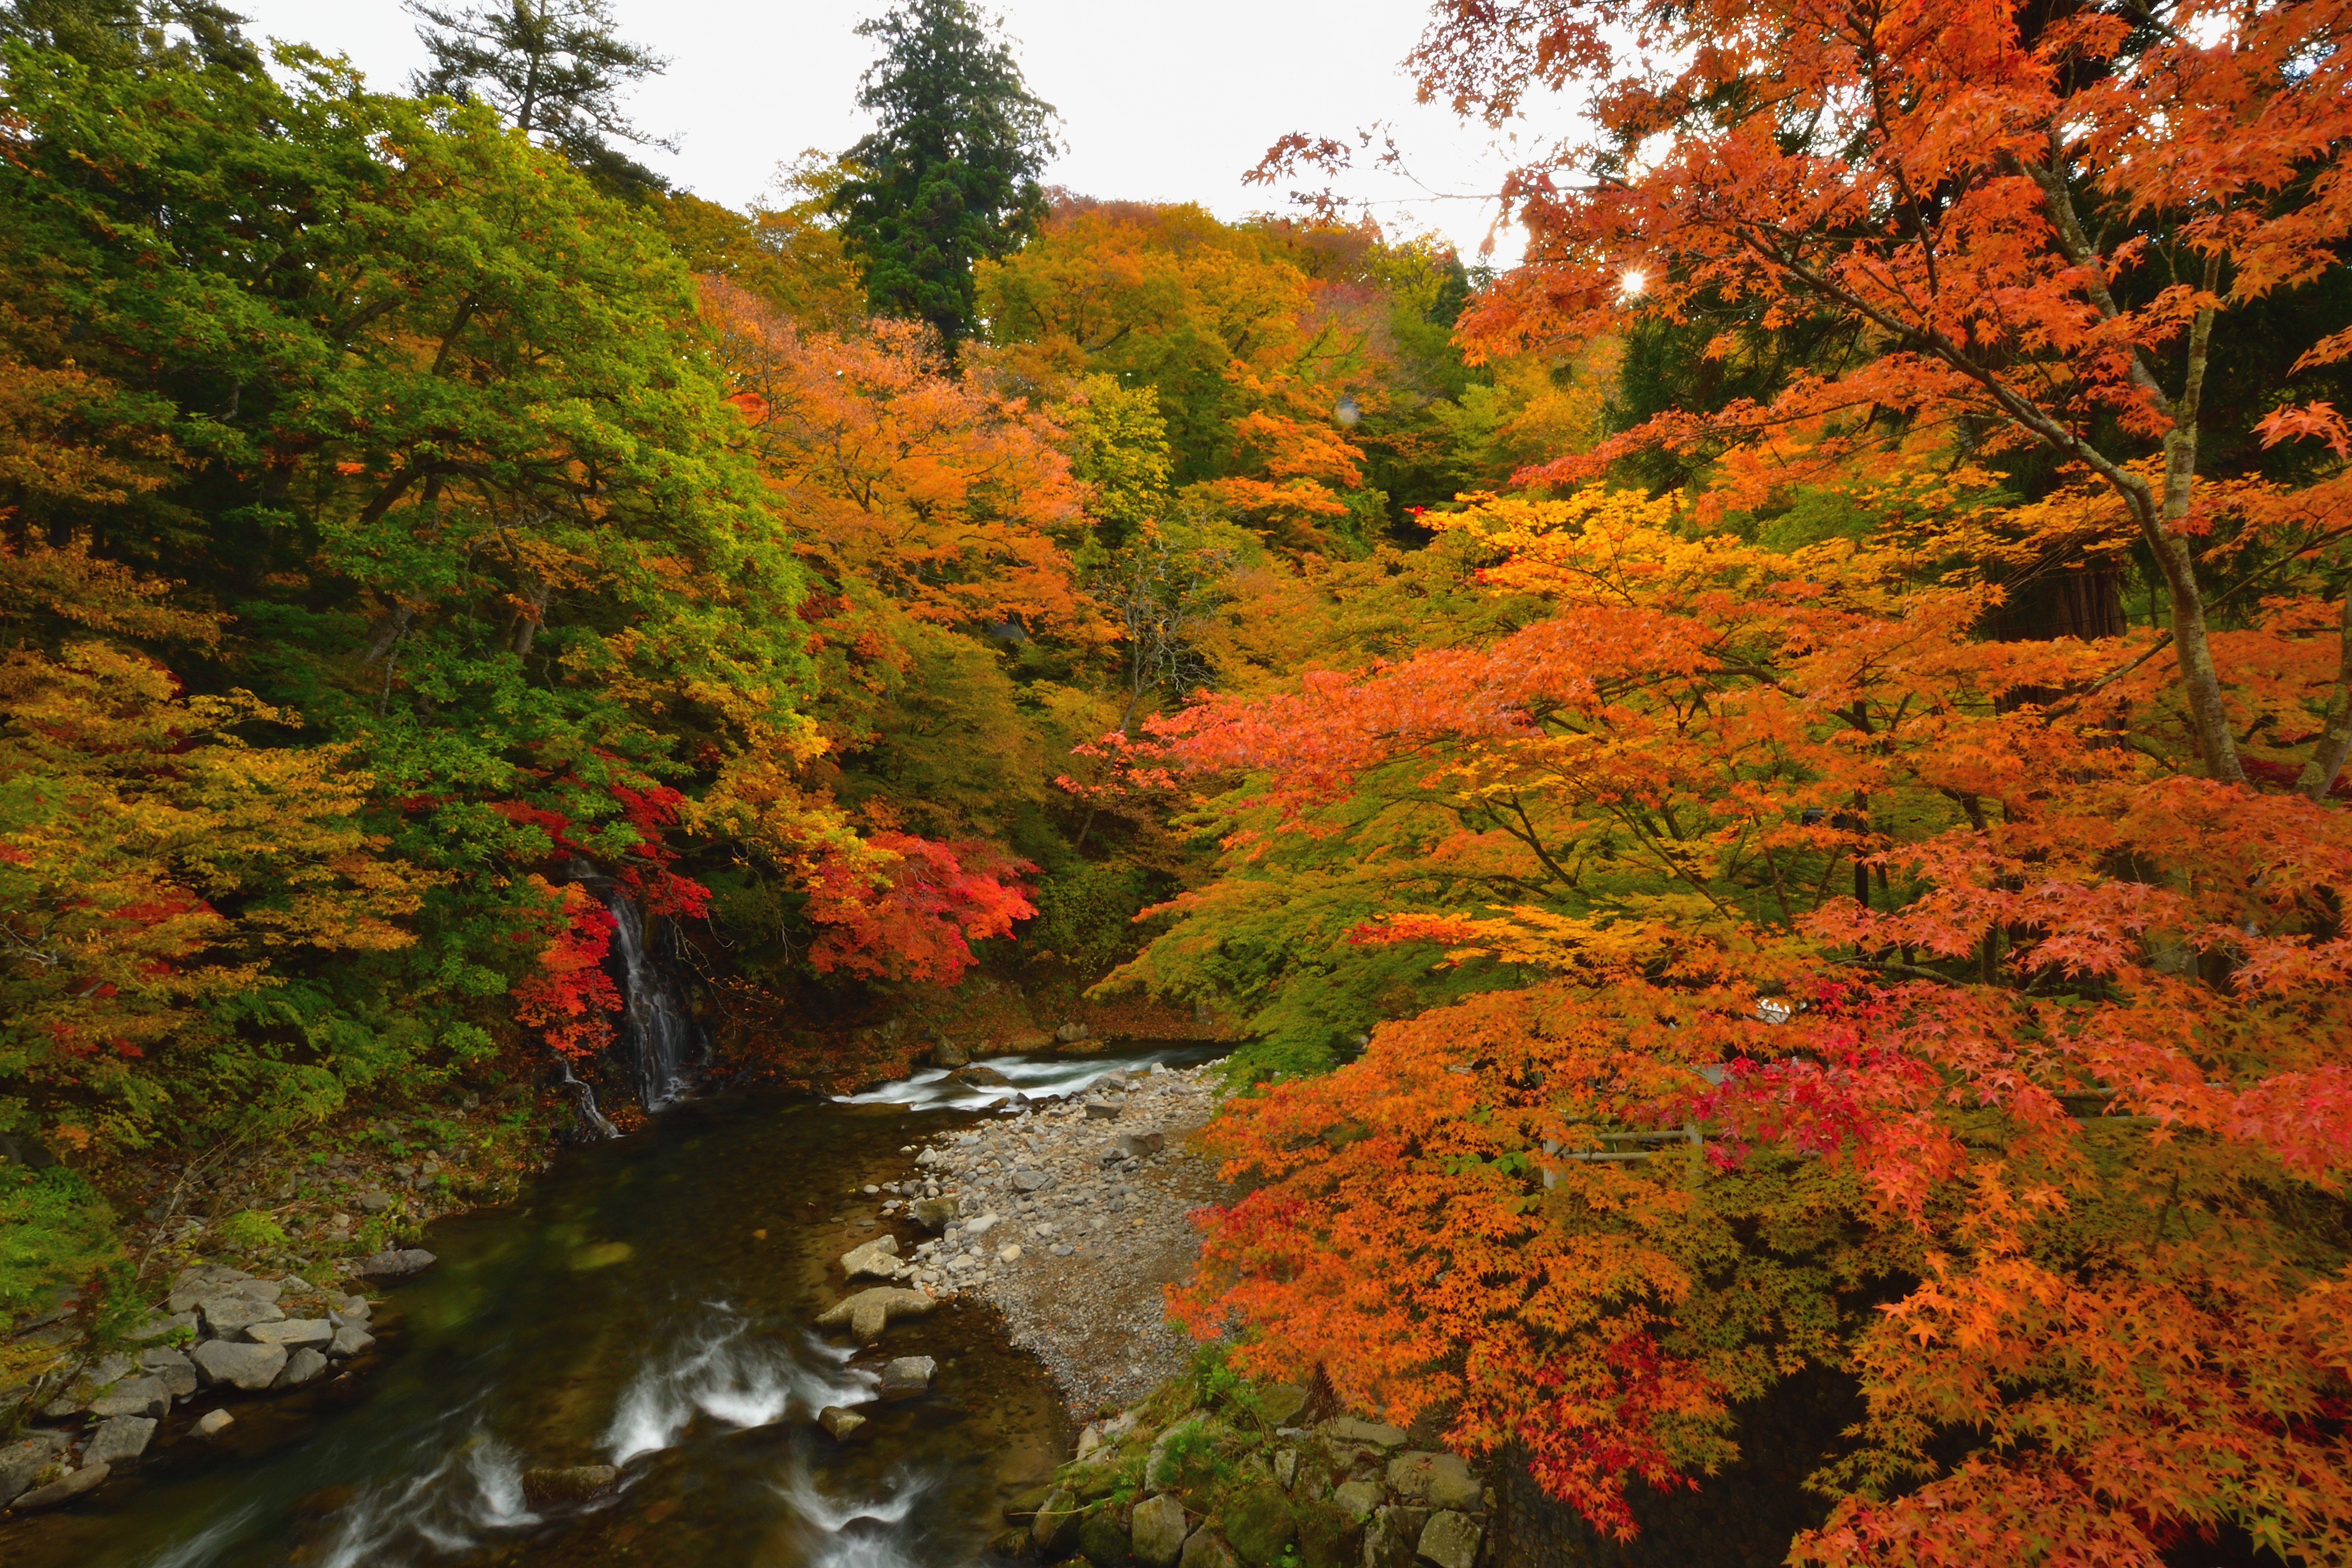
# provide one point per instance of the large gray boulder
(1207, 1549)
(1451, 1539)
(132, 1396)
(84, 1479)
(393, 1265)
(1355, 1429)
(869, 1312)
(301, 1367)
(878, 1257)
(908, 1375)
(1055, 1528)
(249, 1368)
(292, 1332)
(199, 1280)
(1360, 1498)
(1434, 1481)
(160, 1325)
(21, 1461)
(1160, 1527)
(123, 1437)
(172, 1368)
(1393, 1537)
(228, 1317)
(350, 1339)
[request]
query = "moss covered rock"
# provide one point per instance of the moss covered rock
(1329, 1535)
(1258, 1525)
(1103, 1539)
(1056, 1529)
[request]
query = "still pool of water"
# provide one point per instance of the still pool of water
(628, 1311)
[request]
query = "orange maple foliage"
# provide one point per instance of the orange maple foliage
(2030, 221)
(954, 502)
(2035, 1137)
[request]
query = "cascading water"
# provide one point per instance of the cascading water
(656, 1033)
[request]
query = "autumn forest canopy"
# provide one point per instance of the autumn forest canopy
(1763, 790)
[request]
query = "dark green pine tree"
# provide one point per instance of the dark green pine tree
(130, 35)
(555, 69)
(950, 173)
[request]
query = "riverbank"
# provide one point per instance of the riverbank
(1071, 1217)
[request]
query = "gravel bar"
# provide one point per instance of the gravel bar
(1072, 1219)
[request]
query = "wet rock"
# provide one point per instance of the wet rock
(213, 1423)
(878, 1257)
(1207, 1549)
(1159, 1530)
(1136, 1145)
(839, 1424)
(392, 1265)
(20, 1462)
(869, 1312)
(122, 1438)
(250, 1367)
(1393, 1536)
(982, 1078)
(292, 1333)
(569, 1483)
(228, 1317)
(1103, 1110)
(300, 1367)
(931, 1213)
(1451, 1539)
(84, 1479)
(1354, 1429)
(1434, 1481)
(1359, 1499)
(908, 1375)
(1258, 1525)
(1102, 1539)
(1055, 1528)
(350, 1339)
(1013, 1543)
(132, 1396)
(173, 1369)
(947, 1054)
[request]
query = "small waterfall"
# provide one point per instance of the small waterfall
(656, 1033)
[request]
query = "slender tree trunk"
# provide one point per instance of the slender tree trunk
(2336, 734)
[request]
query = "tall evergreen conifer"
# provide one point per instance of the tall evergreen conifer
(555, 69)
(950, 173)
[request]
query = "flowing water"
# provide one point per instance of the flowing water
(657, 1034)
(629, 1310)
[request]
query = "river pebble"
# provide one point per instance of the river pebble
(1071, 1219)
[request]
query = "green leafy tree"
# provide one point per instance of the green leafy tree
(123, 35)
(555, 69)
(950, 174)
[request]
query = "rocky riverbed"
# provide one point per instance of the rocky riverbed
(221, 1333)
(1070, 1217)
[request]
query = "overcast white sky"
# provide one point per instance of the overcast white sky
(1161, 100)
